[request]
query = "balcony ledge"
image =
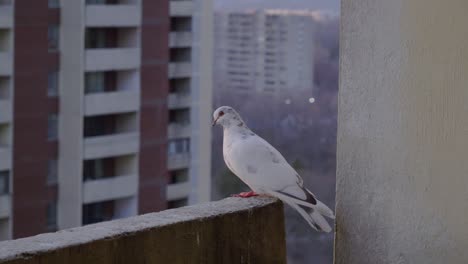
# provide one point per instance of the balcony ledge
(233, 230)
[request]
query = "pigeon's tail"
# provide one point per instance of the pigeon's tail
(324, 210)
(313, 217)
(313, 214)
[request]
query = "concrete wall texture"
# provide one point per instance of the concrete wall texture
(402, 183)
(233, 231)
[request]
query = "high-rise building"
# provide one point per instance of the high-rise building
(264, 50)
(104, 110)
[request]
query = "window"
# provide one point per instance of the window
(95, 38)
(94, 82)
(52, 216)
(99, 125)
(178, 146)
(53, 37)
(178, 176)
(98, 169)
(52, 166)
(54, 3)
(98, 38)
(52, 84)
(180, 54)
(4, 182)
(4, 87)
(181, 24)
(101, 2)
(98, 212)
(177, 203)
(181, 116)
(52, 127)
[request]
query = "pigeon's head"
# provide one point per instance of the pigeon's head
(226, 116)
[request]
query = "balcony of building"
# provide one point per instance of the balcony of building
(6, 14)
(209, 233)
(180, 69)
(6, 56)
(5, 198)
(179, 125)
(111, 145)
(110, 178)
(110, 135)
(5, 203)
(178, 188)
(6, 63)
(106, 210)
(5, 228)
(179, 93)
(179, 8)
(112, 102)
(5, 88)
(108, 92)
(112, 59)
(113, 13)
(180, 54)
(181, 24)
(110, 188)
(178, 191)
(179, 100)
(178, 161)
(5, 110)
(179, 130)
(5, 157)
(180, 39)
(110, 49)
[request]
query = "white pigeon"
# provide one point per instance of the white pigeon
(265, 170)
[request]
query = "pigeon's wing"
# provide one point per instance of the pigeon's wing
(262, 167)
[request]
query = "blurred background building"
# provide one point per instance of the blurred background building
(104, 110)
(267, 50)
(278, 66)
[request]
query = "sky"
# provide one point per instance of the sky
(329, 5)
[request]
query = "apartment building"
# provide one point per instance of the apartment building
(190, 101)
(264, 51)
(104, 110)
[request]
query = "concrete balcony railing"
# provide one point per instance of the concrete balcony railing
(6, 63)
(181, 8)
(230, 231)
(179, 100)
(178, 161)
(113, 15)
(111, 145)
(5, 158)
(112, 102)
(112, 59)
(6, 16)
(5, 111)
(180, 39)
(180, 69)
(178, 191)
(110, 188)
(5, 202)
(176, 130)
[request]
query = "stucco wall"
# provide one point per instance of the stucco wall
(233, 230)
(402, 176)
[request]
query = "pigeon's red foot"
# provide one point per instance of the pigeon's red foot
(245, 194)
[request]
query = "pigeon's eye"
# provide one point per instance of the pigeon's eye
(221, 113)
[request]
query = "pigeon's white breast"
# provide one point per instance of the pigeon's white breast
(257, 163)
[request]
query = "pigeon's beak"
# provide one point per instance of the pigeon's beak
(214, 122)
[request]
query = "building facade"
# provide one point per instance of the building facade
(264, 50)
(98, 105)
